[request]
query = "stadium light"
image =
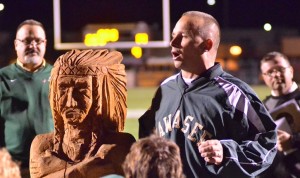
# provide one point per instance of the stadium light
(137, 52)
(235, 50)
(102, 37)
(1, 6)
(211, 2)
(141, 38)
(267, 27)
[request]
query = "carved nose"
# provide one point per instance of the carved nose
(70, 100)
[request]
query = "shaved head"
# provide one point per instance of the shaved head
(207, 26)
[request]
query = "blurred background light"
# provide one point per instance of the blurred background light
(1, 6)
(211, 2)
(102, 37)
(235, 50)
(137, 52)
(141, 38)
(267, 27)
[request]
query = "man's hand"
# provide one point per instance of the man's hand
(283, 140)
(211, 151)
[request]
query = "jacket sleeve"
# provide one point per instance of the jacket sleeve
(146, 124)
(2, 142)
(147, 120)
(296, 140)
(254, 150)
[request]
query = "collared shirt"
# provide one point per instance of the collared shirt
(292, 89)
(41, 66)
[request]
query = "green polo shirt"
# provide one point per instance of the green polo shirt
(24, 108)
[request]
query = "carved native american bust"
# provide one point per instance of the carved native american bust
(88, 101)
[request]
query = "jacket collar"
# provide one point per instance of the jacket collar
(208, 75)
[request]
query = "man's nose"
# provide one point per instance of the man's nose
(175, 42)
(33, 43)
(276, 73)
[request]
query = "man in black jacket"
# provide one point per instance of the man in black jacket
(220, 125)
(278, 74)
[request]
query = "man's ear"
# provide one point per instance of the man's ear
(208, 44)
(292, 71)
(15, 43)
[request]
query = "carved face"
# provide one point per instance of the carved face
(74, 98)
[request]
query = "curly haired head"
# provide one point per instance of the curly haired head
(153, 156)
(8, 168)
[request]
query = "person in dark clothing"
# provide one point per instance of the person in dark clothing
(220, 125)
(278, 74)
(24, 88)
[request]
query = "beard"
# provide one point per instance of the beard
(75, 143)
(278, 84)
(32, 61)
(74, 151)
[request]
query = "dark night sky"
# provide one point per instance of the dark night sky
(77, 13)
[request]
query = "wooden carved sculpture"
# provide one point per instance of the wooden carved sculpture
(88, 101)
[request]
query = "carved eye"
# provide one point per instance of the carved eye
(62, 88)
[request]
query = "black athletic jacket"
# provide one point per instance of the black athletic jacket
(216, 106)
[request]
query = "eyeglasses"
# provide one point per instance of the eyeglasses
(273, 72)
(28, 42)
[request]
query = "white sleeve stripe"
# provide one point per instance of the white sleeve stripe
(170, 78)
(247, 163)
(238, 99)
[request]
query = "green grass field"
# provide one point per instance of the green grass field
(140, 98)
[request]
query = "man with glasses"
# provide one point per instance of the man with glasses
(24, 87)
(277, 74)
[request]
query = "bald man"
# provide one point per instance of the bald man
(220, 125)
